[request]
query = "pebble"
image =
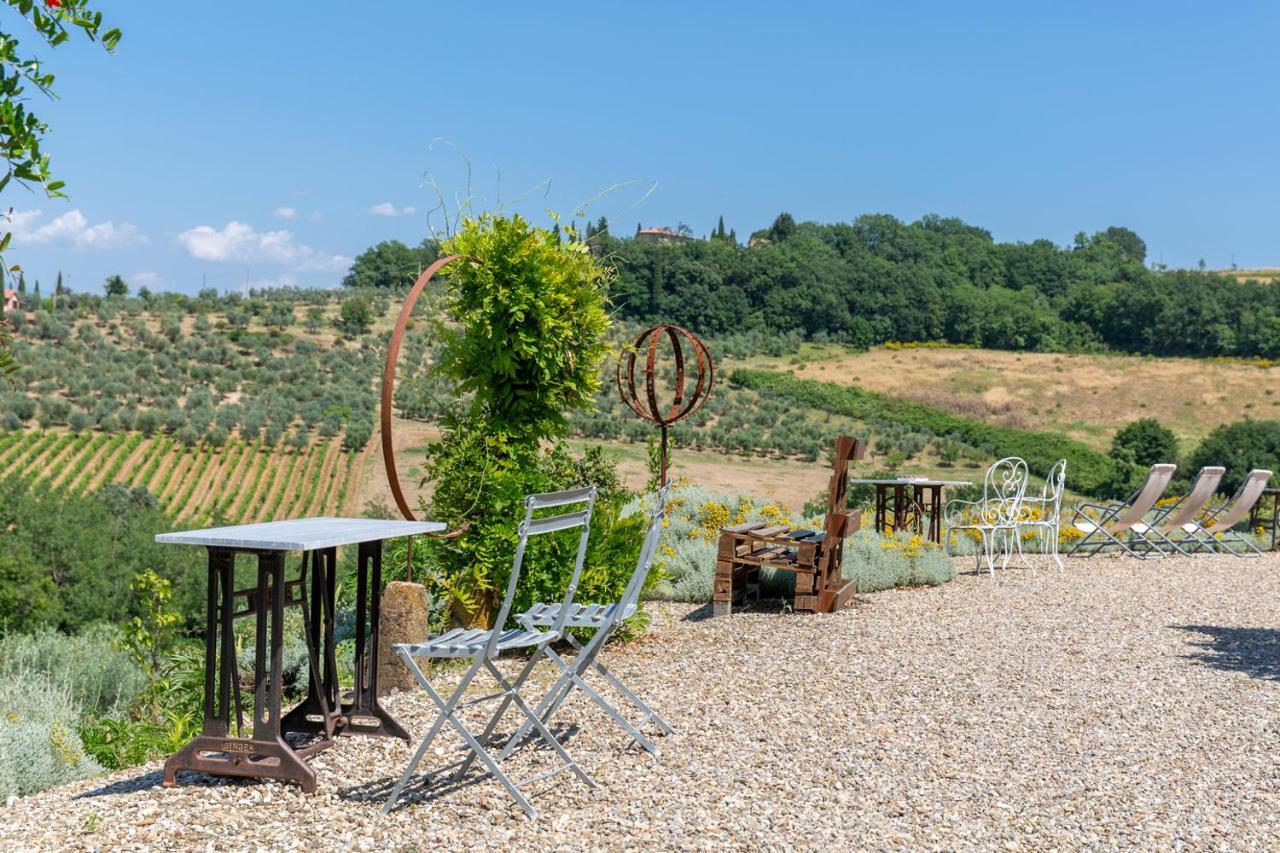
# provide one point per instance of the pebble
(1120, 704)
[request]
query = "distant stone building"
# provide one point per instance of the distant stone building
(660, 235)
(11, 302)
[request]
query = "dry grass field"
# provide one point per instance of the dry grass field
(1087, 397)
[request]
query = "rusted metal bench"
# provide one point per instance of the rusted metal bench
(815, 558)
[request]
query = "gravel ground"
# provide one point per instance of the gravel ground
(1123, 704)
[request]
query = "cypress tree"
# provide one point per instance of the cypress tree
(57, 287)
(720, 228)
(22, 283)
(733, 237)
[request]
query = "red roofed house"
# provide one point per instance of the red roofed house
(11, 301)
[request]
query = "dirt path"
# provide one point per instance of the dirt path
(135, 466)
(259, 461)
(186, 461)
(99, 473)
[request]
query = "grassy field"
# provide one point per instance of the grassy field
(1086, 397)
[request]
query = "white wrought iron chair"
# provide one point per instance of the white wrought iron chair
(603, 620)
(995, 517)
(1042, 515)
(1110, 522)
(483, 646)
(1181, 519)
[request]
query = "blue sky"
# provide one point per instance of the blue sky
(271, 142)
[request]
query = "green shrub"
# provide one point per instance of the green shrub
(1091, 473)
(39, 744)
(1149, 441)
(1240, 447)
(101, 677)
(883, 562)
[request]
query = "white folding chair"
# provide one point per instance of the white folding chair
(1113, 521)
(483, 646)
(603, 619)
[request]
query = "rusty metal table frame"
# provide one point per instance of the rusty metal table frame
(1274, 494)
(902, 503)
(266, 752)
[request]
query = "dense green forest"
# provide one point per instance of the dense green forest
(877, 279)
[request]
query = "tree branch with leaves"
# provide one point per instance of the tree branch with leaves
(21, 130)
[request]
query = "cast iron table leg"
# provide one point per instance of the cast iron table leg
(318, 713)
(264, 754)
(364, 715)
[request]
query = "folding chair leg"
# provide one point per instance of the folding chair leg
(538, 724)
(648, 712)
(446, 711)
(497, 717)
(591, 694)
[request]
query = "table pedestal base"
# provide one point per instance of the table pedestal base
(247, 757)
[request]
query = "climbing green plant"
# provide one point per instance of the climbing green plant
(148, 635)
(528, 323)
(523, 339)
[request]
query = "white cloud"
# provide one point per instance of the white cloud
(286, 213)
(315, 216)
(146, 279)
(386, 208)
(240, 243)
(73, 229)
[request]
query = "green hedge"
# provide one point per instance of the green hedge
(1088, 471)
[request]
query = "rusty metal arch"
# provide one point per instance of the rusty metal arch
(648, 406)
(389, 377)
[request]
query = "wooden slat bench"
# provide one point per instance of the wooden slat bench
(816, 558)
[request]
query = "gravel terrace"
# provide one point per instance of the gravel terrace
(1122, 704)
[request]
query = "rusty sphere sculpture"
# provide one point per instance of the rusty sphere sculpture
(647, 404)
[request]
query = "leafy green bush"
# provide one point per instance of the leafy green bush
(1149, 441)
(1240, 447)
(100, 676)
(39, 744)
(525, 344)
(1092, 473)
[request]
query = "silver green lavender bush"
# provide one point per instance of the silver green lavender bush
(39, 744)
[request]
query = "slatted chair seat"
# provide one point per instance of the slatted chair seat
(463, 642)
(580, 615)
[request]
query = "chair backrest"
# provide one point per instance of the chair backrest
(648, 550)
(847, 449)
(1190, 506)
(1242, 502)
(1003, 490)
(1055, 483)
(531, 526)
(1145, 498)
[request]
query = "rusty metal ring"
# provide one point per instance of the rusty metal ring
(679, 409)
(389, 377)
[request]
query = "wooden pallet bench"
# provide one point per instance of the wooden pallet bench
(815, 557)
